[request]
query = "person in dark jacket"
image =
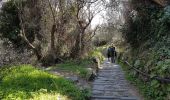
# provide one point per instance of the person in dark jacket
(111, 53)
(108, 53)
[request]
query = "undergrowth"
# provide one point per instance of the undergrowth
(26, 82)
(149, 50)
(148, 89)
(98, 53)
(76, 67)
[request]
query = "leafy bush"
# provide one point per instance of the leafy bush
(154, 62)
(27, 82)
(9, 22)
(152, 90)
(97, 53)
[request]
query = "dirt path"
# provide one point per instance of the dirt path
(112, 85)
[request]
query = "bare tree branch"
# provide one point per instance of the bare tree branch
(93, 34)
(52, 11)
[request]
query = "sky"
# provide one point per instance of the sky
(116, 16)
(100, 17)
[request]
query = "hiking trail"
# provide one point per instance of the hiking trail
(111, 84)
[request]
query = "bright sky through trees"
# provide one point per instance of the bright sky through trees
(99, 17)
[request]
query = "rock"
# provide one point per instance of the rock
(73, 79)
(92, 74)
(95, 60)
(137, 63)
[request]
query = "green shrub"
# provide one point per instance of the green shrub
(97, 53)
(153, 89)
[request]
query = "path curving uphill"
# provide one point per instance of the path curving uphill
(111, 84)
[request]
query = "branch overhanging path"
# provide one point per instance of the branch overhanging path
(111, 84)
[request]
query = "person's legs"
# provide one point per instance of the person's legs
(108, 56)
(112, 59)
(115, 59)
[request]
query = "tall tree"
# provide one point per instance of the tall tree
(29, 23)
(85, 12)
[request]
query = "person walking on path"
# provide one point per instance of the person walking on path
(111, 53)
(108, 53)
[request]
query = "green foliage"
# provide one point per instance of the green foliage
(149, 37)
(152, 90)
(97, 53)
(154, 62)
(27, 82)
(166, 15)
(151, 23)
(9, 22)
(160, 58)
(160, 27)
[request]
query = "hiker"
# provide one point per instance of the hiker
(111, 53)
(108, 53)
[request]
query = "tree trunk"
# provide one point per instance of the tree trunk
(76, 48)
(53, 37)
(38, 54)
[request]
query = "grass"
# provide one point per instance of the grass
(79, 68)
(26, 82)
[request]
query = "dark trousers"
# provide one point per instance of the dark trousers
(108, 56)
(113, 59)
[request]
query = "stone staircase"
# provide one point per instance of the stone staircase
(111, 84)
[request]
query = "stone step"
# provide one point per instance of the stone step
(128, 98)
(112, 98)
(114, 79)
(111, 90)
(111, 84)
(104, 97)
(104, 83)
